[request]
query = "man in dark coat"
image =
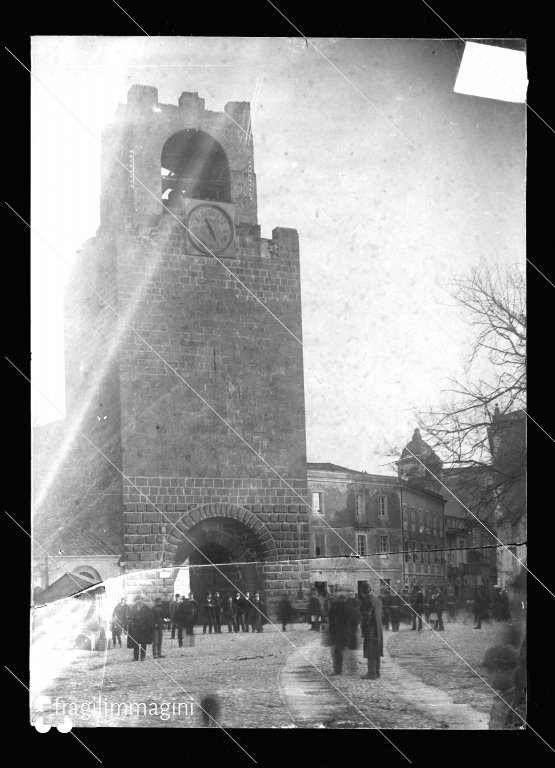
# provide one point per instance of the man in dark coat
(190, 613)
(426, 605)
(218, 605)
(417, 605)
(229, 613)
(344, 618)
(180, 620)
(284, 612)
(406, 612)
(139, 628)
(173, 608)
(440, 606)
(208, 613)
(385, 597)
(372, 633)
(158, 615)
(257, 613)
(395, 611)
(479, 608)
(238, 602)
(314, 611)
(185, 616)
(119, 621)
(246, 605)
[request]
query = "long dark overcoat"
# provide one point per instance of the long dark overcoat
(255, 617)
(284, 610)
(371, 626)
(344, 618)
(139, 626)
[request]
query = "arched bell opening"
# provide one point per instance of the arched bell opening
(194, 165)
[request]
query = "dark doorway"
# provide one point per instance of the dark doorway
(223, 555)
(322, 587)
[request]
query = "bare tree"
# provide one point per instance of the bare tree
(460, 429)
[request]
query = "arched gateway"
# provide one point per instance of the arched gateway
(223, 546)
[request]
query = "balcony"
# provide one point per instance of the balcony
(455, 524)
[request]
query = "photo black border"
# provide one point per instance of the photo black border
(411, 19)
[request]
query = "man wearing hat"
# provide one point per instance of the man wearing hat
(371, 626)
(158, 617)
(139, 632)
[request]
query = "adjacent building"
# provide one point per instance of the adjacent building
(375, 528)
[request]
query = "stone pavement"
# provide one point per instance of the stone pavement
(241, 669)
(432, 663)
(269, 680)
(318, 700)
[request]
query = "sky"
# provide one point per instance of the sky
(395, 183)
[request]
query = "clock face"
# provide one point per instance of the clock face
(211, 228)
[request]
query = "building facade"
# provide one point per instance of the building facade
(188, 393)
(396, 528)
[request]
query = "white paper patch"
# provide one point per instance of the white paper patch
(492, 72)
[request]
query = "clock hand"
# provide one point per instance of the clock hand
(210, 230)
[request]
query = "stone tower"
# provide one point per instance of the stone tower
(160, 331)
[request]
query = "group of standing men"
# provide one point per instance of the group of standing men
(239, 612)
(431, 606)
(145, 625)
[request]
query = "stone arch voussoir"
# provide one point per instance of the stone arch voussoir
(180, 529)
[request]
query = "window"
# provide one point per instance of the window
(428, 520)
(420, 519)
(422, 553)
(359, 504)
(405, 518)
(433, 557)
(434, 522)
(318, 502)
(429, 554)
(415, 552)
(384, 544)
(406, 551)
(381, 506)
(413, 515)
(317, 551)
(462, 555)
(361, 544)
